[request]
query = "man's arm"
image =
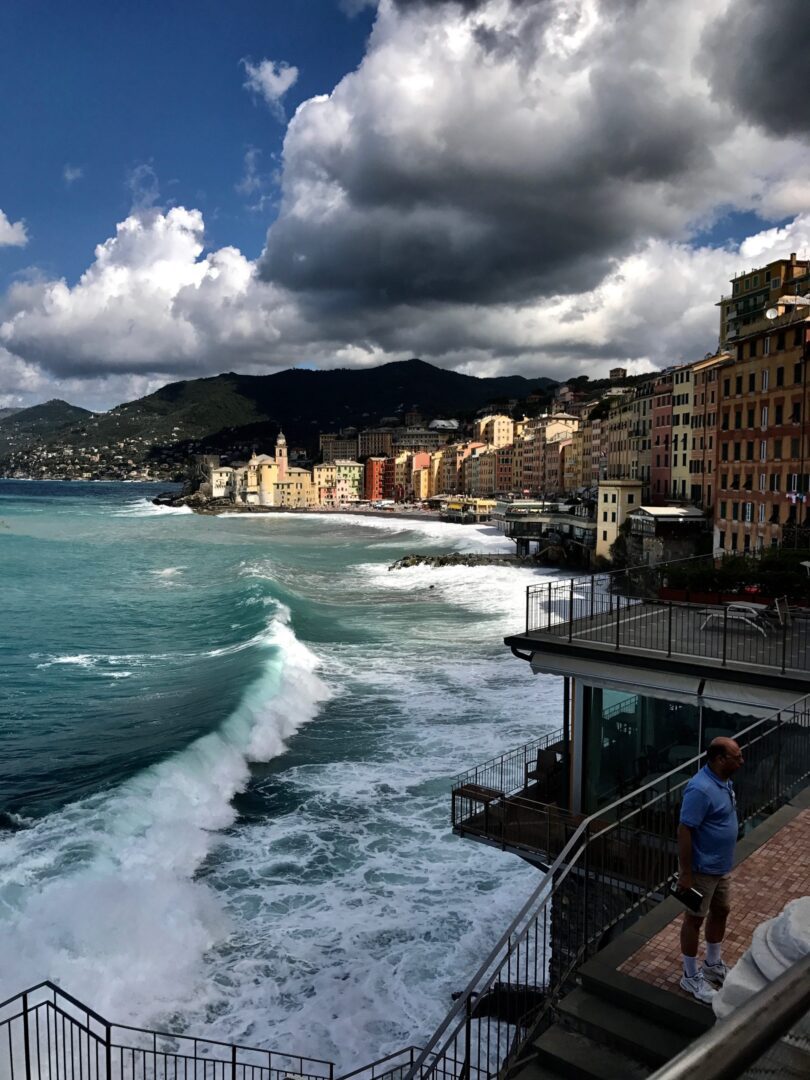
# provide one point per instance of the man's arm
(685, 879)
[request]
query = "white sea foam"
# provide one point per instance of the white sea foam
(146, 508)
(102, 896)
(168, 571)
(355, 915)
(82, 660)
(342, 921)
(100, 661)
(493, 590)
(472, 538)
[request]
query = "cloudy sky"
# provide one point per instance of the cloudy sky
(540, 187)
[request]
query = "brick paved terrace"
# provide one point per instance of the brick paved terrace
(773, 867)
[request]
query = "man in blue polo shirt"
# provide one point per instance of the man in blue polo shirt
(707, 836)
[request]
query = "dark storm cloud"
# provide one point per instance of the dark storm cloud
(517, 184)
(758, 58)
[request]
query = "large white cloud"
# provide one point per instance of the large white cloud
(150, 302)
(501, 186)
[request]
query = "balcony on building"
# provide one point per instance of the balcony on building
(568, 524)
(651, 675)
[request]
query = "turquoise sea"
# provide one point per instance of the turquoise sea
(225, 753)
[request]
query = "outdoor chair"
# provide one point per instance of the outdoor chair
(543, 774)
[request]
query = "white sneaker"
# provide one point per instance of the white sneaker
(714, 974)
(697, 986)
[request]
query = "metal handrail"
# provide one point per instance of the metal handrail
(371, 1067)
(573, 854)
(28, 1042)
(732, 1046)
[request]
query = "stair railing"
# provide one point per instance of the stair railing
(46, 1034)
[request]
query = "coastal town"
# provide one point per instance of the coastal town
(405, 512)
(718, 444)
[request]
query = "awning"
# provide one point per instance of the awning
(738, 698)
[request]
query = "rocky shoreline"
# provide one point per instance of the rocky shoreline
(460, 559)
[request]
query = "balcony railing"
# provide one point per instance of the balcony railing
(507, 772)
(589, 612)
(45, 1034)
(614, 864)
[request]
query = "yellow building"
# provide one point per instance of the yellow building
(615, 500)
(296, 491)
(435, 472)
(255, 482)
(324, 481)
(496, 430)
(757, 290)
(681, 441)
(420, 482)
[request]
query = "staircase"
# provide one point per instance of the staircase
(612, 1027)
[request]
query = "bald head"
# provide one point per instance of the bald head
(724, 756)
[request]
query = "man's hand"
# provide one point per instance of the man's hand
(685, 878)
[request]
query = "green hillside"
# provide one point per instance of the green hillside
(301, 401)
(39, 423)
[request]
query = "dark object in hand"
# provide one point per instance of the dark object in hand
(691, 898)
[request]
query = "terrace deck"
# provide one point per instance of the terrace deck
(646, 632)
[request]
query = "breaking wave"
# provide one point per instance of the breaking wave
(102, 895)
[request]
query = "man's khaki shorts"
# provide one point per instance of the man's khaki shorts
(716, 889)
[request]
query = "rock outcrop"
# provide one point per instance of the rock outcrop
(457, 559)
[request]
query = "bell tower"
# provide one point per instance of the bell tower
(281, 456)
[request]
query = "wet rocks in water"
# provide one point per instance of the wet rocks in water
(456, 559)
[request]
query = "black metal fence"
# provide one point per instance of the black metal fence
(45, 1034)
(391, 1067)
(588, 611)
(507, 772)
(615, 862)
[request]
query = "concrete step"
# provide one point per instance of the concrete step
(533, 1070)
(620, 1028)
(576, 1057)
(671, 1010)
(788, 1062)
